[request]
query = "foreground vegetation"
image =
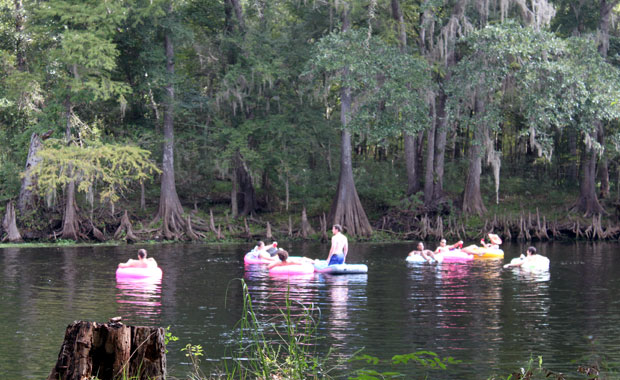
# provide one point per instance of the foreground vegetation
(285, 347)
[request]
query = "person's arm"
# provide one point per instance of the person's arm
(345, 249)
(516, 264)
(128, 264)
(273, 264)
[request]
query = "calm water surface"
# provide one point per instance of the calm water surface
(491, 319)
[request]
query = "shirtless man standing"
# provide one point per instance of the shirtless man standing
(142, 261)
(340, 246)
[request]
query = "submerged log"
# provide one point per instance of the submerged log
(110, 351)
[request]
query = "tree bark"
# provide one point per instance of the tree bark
(472, 198)
(111, 351)
(20, 48)
(239, 13)
(430, 160)
(573, 170)
(26, 198)
(409, 142)
(411, 161)
(306, 228)
(10, 226)
(245, 186)
(588, 202)
(70, 223)
(440, 148)
(170, 209)
(346, 208)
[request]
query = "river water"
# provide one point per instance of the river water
(492, 320)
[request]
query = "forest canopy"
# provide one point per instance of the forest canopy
(378, 115)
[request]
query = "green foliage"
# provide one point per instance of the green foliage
(426, 359)
(381, 78)
(109, 168)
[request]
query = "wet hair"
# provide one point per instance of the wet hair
(338, 227)
(142, 253)
(261, 243)
(532, 249)
(419, 244)
(282, 255)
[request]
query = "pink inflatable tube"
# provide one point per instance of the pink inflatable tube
(456, 255)
(292, 269)
(138, 273)
(249, 258)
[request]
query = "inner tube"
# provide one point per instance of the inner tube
(418, 259)
(485, 253)
(139, 273)
(539, 263)
(456, 255)
(292, 269)
(322, 267)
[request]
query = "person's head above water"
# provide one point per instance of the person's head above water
(531, 250)
(420, 246)
(337, 227)
(282, 255)
(142, 253)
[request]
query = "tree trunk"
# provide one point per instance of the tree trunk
(588, 203)
(20, 48)
(10, 226)
(472, 198)
(306, 228)
(430, 158)
(170, 210)
(125, 226)
(573, 170)
(111, 351)
(411, 161)
(26, 198)
(70, 223)
(239, 13)
(245, 186)
(234, 205)
(397, 14)
(603, 170)
(409, 142)
(605, 9)
(346, 208)
(440, 148)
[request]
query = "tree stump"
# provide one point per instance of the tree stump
(306, 228)
(111, 351)
(9, 224)
(125, 226)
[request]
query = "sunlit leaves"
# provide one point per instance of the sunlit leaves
(110, 168)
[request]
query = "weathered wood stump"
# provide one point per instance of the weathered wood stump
(111, 351)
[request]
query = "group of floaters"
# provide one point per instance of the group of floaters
(456, 253)
(279, 262)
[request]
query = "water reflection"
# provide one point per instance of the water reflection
(492, 319)
(139, 300)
